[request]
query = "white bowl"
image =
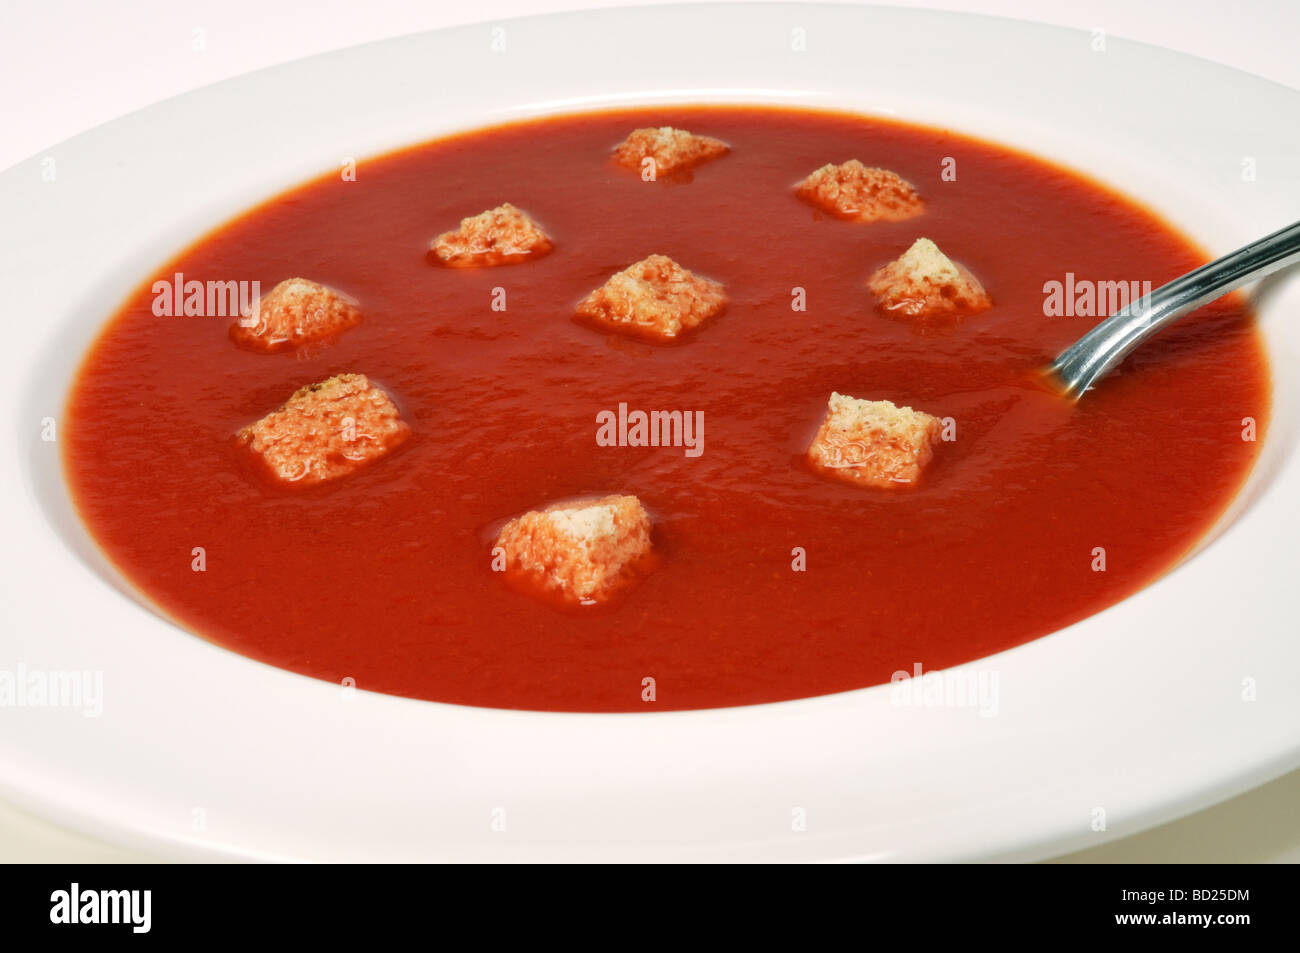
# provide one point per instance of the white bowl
(1134, 716)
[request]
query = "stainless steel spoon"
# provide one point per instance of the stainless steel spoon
(1078, 368)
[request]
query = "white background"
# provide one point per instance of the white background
(66, 66)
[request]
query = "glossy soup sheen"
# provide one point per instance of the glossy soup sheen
(385, 576)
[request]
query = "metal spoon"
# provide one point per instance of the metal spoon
(1078, 368)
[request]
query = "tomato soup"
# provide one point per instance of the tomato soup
(769, 581)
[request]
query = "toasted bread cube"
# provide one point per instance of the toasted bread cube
(670, 148)
(580, 551)
(500, 236)
(861, 193)
(926, 283)
(874, 443)
(654, 298)
(326, 430)
(295, 312)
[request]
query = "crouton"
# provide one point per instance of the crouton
(500, 236)
(860, 193)
(326, 430)
(654, 298)
(669, 148)
(295, 312)
(580, 551)
(926, 283)
(874, 443)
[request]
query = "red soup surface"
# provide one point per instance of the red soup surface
(770, 581)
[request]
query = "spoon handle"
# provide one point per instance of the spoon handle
(1096, 354)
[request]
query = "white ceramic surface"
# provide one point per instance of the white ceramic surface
(1137, 711)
